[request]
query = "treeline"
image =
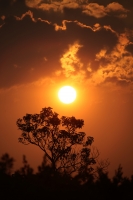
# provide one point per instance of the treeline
(47, 183)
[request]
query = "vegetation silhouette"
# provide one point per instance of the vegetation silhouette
(67, 150)
(6, 164)
(48, 183)
(70, 168)
(25, 170)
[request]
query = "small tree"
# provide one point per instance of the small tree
(6, 164)
(66, 149)
(25, 170)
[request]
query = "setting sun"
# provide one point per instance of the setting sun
(67, 94)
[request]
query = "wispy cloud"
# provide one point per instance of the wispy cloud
(63, 27)
(28, 13)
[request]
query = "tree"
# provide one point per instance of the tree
(6, 164)
(66, 149)
(26, 169)
(118, 178)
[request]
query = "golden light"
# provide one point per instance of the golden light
(67, 94)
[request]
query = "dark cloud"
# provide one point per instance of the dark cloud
(36, 35)
(25, 46)
(12, 7)
(5, 4)
(34, 45)
(129, 48)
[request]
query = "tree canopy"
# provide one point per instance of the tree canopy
(67, 149)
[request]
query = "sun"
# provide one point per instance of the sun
(67, 94)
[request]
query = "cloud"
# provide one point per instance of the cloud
(129, 47)
(63, 27)
(35, 54)
(33, 3)
(100, 11)
(70, 61)
(28, 13)
(47, 7)
(51, 5)
(37, 47)
(91, 9)
(116, 66)
(95, 10)
(71, 66)
(27, 48)
(95, 27)
(117, 9)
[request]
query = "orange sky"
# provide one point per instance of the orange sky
(88, 45)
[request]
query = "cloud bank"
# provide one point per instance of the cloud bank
(77, 40)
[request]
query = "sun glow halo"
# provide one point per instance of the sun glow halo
(67, 94)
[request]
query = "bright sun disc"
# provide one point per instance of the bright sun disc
(67, 94)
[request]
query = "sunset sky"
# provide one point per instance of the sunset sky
(87, 44)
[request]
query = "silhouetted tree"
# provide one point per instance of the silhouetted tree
(118, 177)
(43, 166)
(25, 169)
(6, 164)
(66, 149)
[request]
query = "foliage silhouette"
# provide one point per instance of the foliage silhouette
(66, 149)
(118, 177)
(6, 164)
(50, 183)
(25, 169)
